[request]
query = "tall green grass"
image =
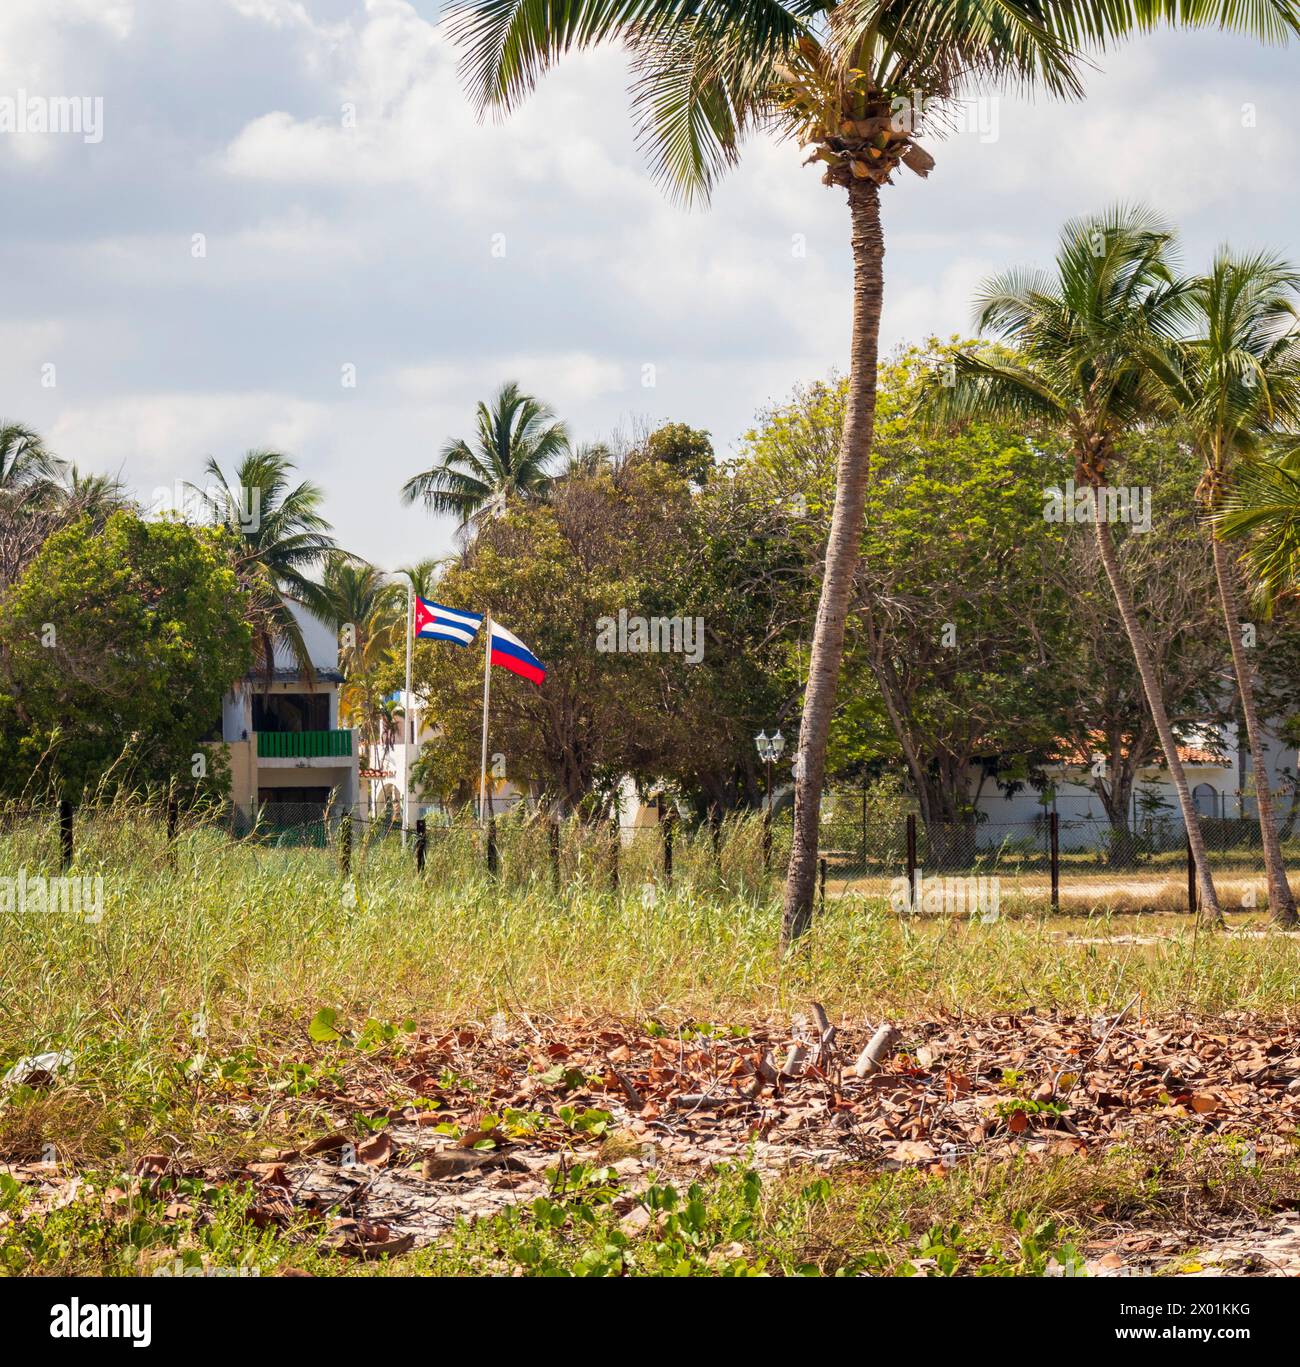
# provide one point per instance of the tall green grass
(259, 936)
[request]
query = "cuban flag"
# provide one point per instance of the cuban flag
(433, 622)
(511, 653)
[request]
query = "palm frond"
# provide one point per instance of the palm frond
(1262, 507)
(1101, 22)
(24, 459)
(510, 44)
(989, 389)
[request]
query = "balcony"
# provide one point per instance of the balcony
(304, 744)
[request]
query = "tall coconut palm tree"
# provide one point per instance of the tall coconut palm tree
(1087, 337)
(516, 441)
(280, 539)
(1236, 387)
(848, 79)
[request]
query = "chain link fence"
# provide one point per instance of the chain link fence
(1072, 863)
(1088, 863)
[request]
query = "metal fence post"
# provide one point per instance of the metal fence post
(1054, 834)
(668, 847)
(821, 880)
(421, 843)
(911, 859)
(65, 831)
(1193, 901)
(173, 818)
(492, 861)
(864, 822)
(553, 843)
(614, 841)
(345, 844)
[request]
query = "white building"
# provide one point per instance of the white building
(289, 757)
(1218, 772)
(385, 766)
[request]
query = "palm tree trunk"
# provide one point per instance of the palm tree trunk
(1155, 700)
(842, 551)
(1280, 901)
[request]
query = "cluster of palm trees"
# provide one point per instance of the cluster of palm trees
(30, 471)
(1113, 338)
(39, 493)
(833, 75)
(285, 553)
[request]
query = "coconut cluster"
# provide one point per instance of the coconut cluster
(868, 148)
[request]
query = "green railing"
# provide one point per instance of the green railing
(304, 745)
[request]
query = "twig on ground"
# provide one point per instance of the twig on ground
(872, 1058)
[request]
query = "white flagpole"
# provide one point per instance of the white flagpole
(487, 695)
(406, 715)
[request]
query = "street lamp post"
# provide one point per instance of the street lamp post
(770, 749)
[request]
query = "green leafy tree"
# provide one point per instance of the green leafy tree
(510, 460)
(553, 573)
(851, 82)
(985, 644)
(958, 606)
(959, 611)
(738, 568)
(686, 450)
(120, 644)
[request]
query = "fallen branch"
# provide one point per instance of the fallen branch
(826, 1038)
(881, 1046)
(634, 1098)
(794, 1061)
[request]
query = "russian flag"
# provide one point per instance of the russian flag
(511, 653)
(433, 622)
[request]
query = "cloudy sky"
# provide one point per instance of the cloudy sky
(354, 215)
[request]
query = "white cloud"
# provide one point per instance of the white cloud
(563, 379)
(402, 118)
(372, 243)
(917, 307)
(166, 437)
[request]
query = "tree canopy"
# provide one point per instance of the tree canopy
(118, 646)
